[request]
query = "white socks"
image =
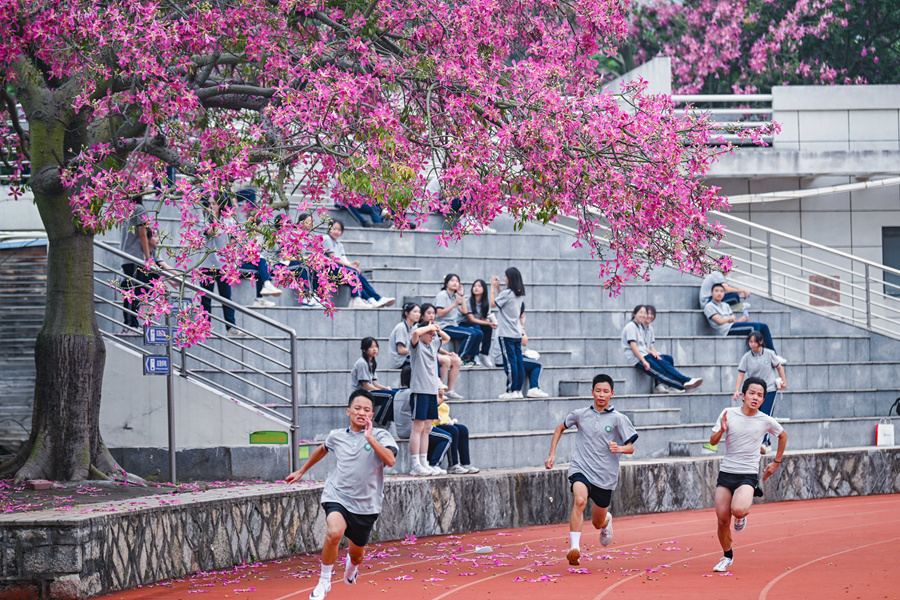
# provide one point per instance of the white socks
(575, 539)
(326, 572)
(423, 460)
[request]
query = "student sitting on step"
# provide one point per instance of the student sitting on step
(452, 312)
(458, 459)
(733, 295)
(724, 322)
(367, 297)
(637, 345)
(363, 376)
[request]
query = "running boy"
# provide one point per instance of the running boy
(602, 435)
(354, 488)
(738, 474)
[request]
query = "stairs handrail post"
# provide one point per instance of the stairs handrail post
(295, 406)
(868, 299)
(769, 262)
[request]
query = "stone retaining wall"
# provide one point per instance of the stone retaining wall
(95, 549)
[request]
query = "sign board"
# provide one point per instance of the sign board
(269, 437)
(155, 335)
(156, 365)
(176, 305)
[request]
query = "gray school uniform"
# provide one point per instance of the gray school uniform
(721, 309)
(130, 243)
(357, 480)
(360, 373)
(452, 318)
(399, 335)
(403, 412)
(424, 364)
(596, 430)
(509, 309)
(213, 245)
(639, 334)
(760, 365)
(332, 246)
(707, 286)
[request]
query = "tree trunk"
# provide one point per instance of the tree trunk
(69, 352)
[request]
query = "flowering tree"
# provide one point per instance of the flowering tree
(361, 99)
(747, 46)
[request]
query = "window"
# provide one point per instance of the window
(890, 252)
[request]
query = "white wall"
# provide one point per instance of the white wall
(133, 409)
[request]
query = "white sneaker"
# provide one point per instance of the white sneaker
(485, 361)
(373, 302)
(418, 470)
(661, 388)
(262, 303)
(537, 393)
(507, 396)
(693, 383)
(385, 301)
(234, 332)
(723, 564)
(518, 394)
(606, 533)
(312, 302)
(471, 469)
(453, 395)
(350, 571)
(780, 360)
(739, 524)
(436, 470)
(675, 390)
(444, 386)
(359, 303)
(458, 470)
(322, 588)
(270, 290)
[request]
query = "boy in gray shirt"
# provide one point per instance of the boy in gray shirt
(603, 434)
(354, 489)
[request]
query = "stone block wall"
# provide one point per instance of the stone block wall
(97, 549)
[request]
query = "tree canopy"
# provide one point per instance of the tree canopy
(747, 46)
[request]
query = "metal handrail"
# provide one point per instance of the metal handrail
(294, 386)
(857, 294)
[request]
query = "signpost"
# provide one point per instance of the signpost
(162, 365)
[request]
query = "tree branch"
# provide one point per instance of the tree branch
(235, 89)
(14, 118)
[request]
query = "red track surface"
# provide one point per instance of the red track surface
(835, 548)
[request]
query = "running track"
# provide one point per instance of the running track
(834, 548)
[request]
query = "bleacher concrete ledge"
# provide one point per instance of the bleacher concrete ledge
(96, 549)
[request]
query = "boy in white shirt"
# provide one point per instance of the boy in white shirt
(744, 429)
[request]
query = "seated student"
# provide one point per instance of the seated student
(296, 265)
(480, 317)
(733, 295)
(370, 298)
(398, 345)
(637, 345)
(258, 271)
(761, 363)
(452, 310)
(458, 456)
(363, 376)
(403, 420)
(357, 213)
(724, 322)
(532, 367)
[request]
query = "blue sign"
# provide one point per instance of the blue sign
(154, 335)
(185, 303)
(156, 365)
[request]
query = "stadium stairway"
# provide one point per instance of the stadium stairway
(23, 282)
(841, 379)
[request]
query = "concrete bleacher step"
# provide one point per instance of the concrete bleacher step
(689, 448)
